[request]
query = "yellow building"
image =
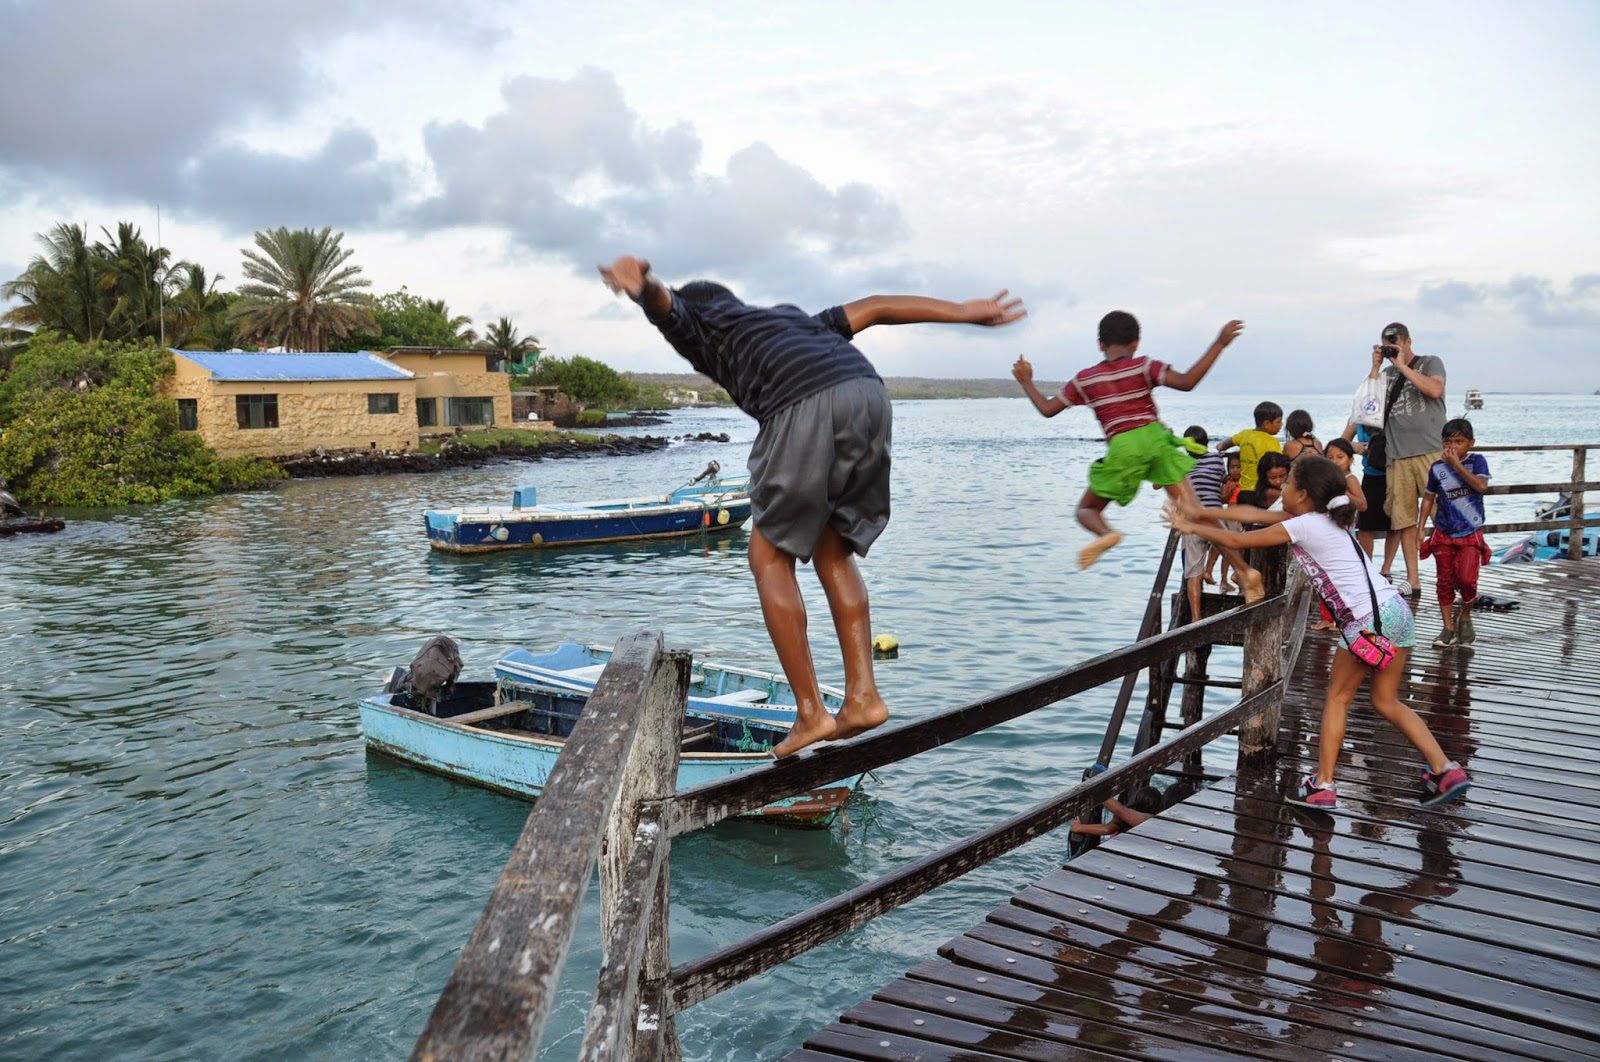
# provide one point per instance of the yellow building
(271, 405)
(455, 387)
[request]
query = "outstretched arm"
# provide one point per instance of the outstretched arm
(1275, 535)
(1241, 514)
(1049, 405)
(1127, 814)
(917, 309)
(631, 276)
(1187, 381)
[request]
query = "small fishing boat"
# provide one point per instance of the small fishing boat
(1474, 398)
(714, 689)
(475, 734)
(719, 504)
(1552, 544)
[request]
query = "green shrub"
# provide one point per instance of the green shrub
(115, 441)
(591, 418)
(588, 381)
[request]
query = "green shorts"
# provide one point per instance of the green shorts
(1149, 454)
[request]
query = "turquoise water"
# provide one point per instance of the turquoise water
(200, 859)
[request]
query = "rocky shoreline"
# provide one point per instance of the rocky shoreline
(320, 464)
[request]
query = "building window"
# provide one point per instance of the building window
(188, 414)
(384, 403)
(257, 411)
(470, 411)
(427, 412)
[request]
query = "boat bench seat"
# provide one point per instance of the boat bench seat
(741, 697)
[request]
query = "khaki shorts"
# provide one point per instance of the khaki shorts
(1407, 481)
(1195, 550)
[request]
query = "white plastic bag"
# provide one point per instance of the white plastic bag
(1367, 407)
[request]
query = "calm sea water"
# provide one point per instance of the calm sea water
(199, 859)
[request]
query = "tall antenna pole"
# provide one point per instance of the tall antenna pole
(161, 284)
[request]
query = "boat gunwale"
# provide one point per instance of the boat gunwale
(377, 703)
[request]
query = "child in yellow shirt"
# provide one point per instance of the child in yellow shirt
(1263, 439)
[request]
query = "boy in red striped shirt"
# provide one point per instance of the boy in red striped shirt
(1139, 448)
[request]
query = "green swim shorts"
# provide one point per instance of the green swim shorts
(1148, 454)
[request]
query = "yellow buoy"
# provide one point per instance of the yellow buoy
(885, 643)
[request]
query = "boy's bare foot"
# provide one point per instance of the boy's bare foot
(1255, 588)
(1209, 578)
(860, 716)
(805, 733)
(1092, 552)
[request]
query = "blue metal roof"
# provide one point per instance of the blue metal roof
(294, 367)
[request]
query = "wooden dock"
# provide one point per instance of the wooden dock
(1236, 925)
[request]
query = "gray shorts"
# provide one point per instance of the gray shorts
(824, 462)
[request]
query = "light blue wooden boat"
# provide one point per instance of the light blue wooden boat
(715, 689)
(508, 740)
(717, 505)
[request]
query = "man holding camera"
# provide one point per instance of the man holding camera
(1414, 387)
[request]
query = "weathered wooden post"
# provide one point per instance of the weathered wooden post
(635, 885)
(1264, 641)
(495, 1004)
(1575, 542)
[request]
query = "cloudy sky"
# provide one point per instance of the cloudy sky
(1317, 170)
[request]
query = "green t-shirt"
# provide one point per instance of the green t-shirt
(1252, 444)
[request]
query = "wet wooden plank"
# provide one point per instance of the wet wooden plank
(1263, 1018)
(1390, 844)
(1252, 974)
(1522, 988)
(849, 1041)
(1031, 1038)
(1238, 924)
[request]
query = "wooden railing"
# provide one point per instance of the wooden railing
(1576, 486)
(614, 781)
(610, 799)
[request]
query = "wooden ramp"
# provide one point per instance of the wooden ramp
(1235, 925)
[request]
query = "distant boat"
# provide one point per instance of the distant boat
(719, 504)
(512, 745)
(714, 689)
(1474, 398)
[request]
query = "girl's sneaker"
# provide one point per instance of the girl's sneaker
(1313, 794)
(1446, 639)
(1403, 586)
(1448, 784)
(1467, 635)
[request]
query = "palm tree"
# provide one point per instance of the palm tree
(197, 313)
(61, 288)
(300, 295)
(460, 326)
(516, 353)
(135, 277)
(109, 290)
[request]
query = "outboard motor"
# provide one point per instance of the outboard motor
(433, 671)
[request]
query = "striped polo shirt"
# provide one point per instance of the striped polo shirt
(766, 357)
(1206, 477)
(1118, 392)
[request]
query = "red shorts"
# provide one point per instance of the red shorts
(1456, 562)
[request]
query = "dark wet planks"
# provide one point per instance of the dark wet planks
(1235, 925)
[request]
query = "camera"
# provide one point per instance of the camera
(1389, 350)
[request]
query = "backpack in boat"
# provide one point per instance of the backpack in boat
(436, 665)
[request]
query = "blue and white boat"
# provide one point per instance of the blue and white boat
(1552, 544)
(504, 739)
(714, 689)
(721, 504)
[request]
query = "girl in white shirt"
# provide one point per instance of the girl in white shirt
(1316, 523)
